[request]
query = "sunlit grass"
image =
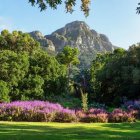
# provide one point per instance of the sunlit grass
(68, 131)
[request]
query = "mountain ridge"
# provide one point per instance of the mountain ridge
(75, 34)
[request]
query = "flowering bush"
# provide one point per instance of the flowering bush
(133, 107)
(134, 113)
(65, 115)
(118, 115)
(93, 115)
(35, 111)
(41, 111)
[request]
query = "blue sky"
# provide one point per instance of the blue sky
(115, 18)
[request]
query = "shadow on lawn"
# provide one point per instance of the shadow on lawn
(102, 132)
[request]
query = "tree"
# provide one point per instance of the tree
(116, 75)
(43, 4)
(13, 68)
(68, 57)
(48, 68)
(17, 41)
(4, 92)
(69, 4)
(31, 88)
(107, 77)
(138, 8)
(28, 71)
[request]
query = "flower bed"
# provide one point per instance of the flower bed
(41, 111)
(118, 115)
(93, 115)
(35, 111)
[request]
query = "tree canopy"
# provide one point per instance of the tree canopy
(138, 8)
(69, 4)
(17, 41)
(26, 71)
(116, 75)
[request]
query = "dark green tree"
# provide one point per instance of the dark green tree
(13, 68)
(53, 74)
(31, 88)
(106, 76)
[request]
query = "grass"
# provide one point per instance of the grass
(65, 131)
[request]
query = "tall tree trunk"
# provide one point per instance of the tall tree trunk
(68, 74)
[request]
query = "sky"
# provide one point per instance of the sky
(115, 18)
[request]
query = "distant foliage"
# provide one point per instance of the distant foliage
(116, 75)
(68, 56)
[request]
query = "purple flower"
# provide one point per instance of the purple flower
(32, 111)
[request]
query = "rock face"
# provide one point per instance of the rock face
(45, 43)
(76, 34)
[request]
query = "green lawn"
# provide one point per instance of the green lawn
(65, 131)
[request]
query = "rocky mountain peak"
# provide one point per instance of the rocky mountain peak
(36, 34)
(77, 24)
(76, 34)
(45, 43)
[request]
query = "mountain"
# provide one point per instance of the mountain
(45, 43)
(76, 34)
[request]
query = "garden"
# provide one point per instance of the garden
(61, 100)
(41, 111)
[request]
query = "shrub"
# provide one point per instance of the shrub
(134, 113)
(35, 111)
(118, 115)
(93, 115)
(65, 116)
(41, 111)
